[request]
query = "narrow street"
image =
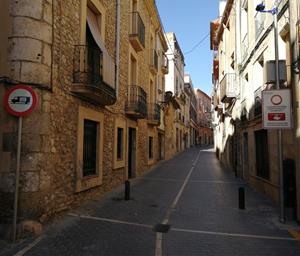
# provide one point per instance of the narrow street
(194, 200)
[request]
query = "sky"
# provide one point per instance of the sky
(190, 21)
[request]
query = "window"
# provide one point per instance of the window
(120, 135)
(89, 167)
(150, 147)
(90, 148)
(119, 147)
(262, 155)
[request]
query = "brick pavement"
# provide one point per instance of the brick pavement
(204, 219)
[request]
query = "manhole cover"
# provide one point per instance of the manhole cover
(161, 228)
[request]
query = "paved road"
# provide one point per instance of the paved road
(186, 206)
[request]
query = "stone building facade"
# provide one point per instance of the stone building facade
(243, 44)
(205, 132)
(97, 67)
(193, 120)
(175, 85)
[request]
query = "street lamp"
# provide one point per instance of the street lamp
(274, 12)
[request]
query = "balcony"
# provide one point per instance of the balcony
(153, 114)
(244, 48)
(164, 64)
(259, 24)
(227, 91)
(137, 32)
(136, 106)
(153, 62)
(88, 81)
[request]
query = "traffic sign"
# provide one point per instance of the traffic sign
(276, 106)
(20, 100)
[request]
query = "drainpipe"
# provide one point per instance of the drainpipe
(293, 11)
(118, 18)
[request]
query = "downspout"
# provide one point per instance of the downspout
(294, 17)
(118, 7)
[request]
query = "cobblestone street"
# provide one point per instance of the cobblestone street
(193, 198)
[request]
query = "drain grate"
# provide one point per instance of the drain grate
(161, 228)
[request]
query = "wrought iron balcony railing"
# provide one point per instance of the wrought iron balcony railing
(137, 32)
(154, 113)
(244, 48)
(164, 64)
(227, 88)
(88, 76)
(136, 106)
(153, 61)
(259, 24)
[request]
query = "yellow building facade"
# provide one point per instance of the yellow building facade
(97, 67)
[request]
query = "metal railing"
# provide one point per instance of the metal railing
(88, 64)
(88, 68)
(259, 24)
(138, 27)
(227, 89)
(244, 48)
(137, 100)
(153, 112)
(165, 61)
(153, 58)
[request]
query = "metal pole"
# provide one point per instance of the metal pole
(279, 139)
(17, 180)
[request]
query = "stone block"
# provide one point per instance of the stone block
(35, 73)
(30, 181)
(38, 123)
(27, 8)
(46, 96)
(45, 180)
(46, 107)
(26, 27)
(29, 162)
(25, 49)
(7, 181)
(45, 144)
(31, 143)
(5, 160)
(47, 56)
(15, 70)
(47, 14)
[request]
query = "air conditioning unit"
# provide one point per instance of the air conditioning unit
(270, 72)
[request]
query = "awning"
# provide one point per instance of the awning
(108, 62)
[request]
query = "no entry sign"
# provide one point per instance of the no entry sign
(276, 109)
(19, 100)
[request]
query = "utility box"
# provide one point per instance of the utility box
(270, 72)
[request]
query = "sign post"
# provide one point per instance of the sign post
(19, 101)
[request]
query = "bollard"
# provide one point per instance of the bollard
(127, 190)
(241, 198)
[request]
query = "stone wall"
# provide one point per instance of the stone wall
(41, 54)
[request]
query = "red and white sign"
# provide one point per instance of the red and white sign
(276, 106)
(19, 100)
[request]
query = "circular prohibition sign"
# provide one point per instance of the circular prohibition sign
(276, 99)
(20, 100)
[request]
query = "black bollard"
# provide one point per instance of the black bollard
(241, 198)
(127, 190)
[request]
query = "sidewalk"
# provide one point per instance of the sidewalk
(186, 206)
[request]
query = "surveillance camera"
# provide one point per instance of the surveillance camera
(260, 7)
